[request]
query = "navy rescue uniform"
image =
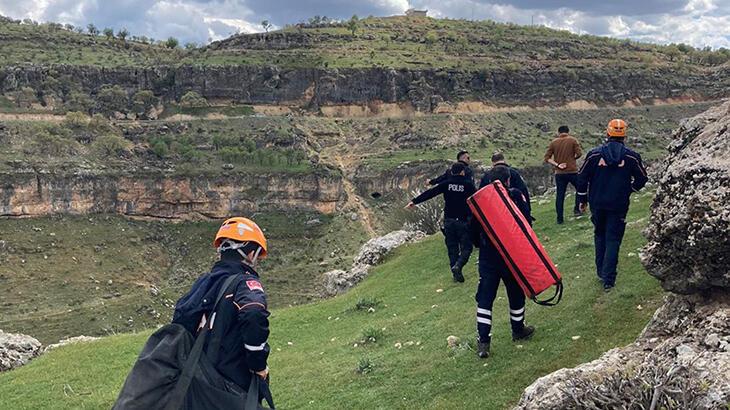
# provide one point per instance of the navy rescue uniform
(606, 180)
(492, 269)
(241, 319)
(456, 190)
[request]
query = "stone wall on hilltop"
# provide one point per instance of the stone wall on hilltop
(682, 358)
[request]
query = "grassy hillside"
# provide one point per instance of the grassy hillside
(418, 43)
(288, 145)
(396, 42)
(317, 349)
(65, 276)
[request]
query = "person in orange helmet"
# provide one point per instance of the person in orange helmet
(606, 180)
(238, 347)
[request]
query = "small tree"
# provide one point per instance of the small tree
(108, 33)
(122, 34)
(171, 42)
(352, 24)
(673, 52)
(191, 46)
(92, 29)
(266, 25)
(78, 101)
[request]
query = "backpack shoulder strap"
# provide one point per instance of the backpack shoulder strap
(191, 363)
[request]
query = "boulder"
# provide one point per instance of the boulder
(372, 252)
(17, 350)
(682, 358)
(375, 249)
(689, 231)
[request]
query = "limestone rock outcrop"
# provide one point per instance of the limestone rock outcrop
(689, 232)
(161, 196)
(338, 281)
(16, 350)
(682, 358)
(422, 89)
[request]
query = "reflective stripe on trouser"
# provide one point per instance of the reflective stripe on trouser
(489, 278)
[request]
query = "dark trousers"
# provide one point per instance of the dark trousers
(561, 183)
(608, 231)
(490, 273)
(458, 241)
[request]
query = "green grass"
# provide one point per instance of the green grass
(55, 272)
(378, 42)
(315, 364)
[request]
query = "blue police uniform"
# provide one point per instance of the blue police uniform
(456, 190)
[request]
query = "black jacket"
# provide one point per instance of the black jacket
(609, 175)
(243, 319)
(516, 182)
(455, 189)
(446, 175)
(487, 252)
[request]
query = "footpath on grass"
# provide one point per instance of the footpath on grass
(384, 343)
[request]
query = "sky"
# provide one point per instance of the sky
(697, 22)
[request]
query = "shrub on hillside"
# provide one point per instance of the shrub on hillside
(143, 100)
(111, 99)
(78, 101)
(110, 145)
(76, 120)
(192, 99)
(53, 144)
(25, 97)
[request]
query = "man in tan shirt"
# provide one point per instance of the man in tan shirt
(562, 154)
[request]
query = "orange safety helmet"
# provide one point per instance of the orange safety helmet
(616, 128)
(241, 229)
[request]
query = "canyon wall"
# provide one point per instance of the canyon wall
(425, 90)
(166, 196)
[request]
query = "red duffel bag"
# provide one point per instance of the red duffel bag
(515, 240)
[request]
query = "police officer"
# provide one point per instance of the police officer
(515, 178)
(455, 189)
(242, 316)
(492, 269)
(606, 180)
(463, 158)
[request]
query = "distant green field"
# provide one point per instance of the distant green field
(317, 348)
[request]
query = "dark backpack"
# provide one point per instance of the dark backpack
(172, 373)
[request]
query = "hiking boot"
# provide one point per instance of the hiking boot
(456, 271)
(560, 221)
(607, 287)
(523, 334)
(482, 349)
(577, 214)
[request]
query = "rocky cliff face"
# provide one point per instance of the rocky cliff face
(424, 90)
(160, 196)
(682, 358)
